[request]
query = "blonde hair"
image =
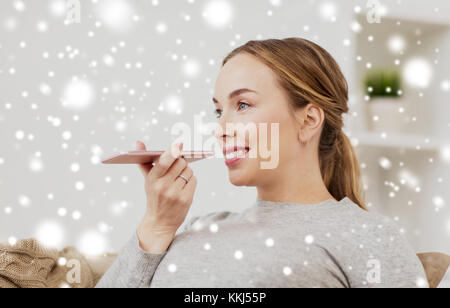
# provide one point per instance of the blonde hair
(309, 74)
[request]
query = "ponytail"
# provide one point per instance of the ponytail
(340, 169)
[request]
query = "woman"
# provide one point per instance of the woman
(308, 226)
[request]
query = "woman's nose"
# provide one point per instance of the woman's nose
(221, 129)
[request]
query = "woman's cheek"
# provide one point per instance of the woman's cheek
(263, 136)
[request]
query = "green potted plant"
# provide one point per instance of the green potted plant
(383, 88)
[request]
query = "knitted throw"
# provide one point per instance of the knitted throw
(29, 264)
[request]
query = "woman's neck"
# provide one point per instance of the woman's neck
(303, 185)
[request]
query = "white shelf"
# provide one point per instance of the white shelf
(397, 141)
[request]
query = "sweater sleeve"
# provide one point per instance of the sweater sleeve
(133, 268)
(393, 264)
(402, 263)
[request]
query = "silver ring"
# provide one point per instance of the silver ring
(184, 178)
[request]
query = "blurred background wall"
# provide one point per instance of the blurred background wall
(80, 85)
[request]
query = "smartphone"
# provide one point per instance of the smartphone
(147, 157)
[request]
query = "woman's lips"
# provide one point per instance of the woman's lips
(235, 148)
(237, 156)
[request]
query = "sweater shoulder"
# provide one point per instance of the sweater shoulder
(364, 226)
(357, 215)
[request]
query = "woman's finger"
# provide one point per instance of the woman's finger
(180, 183)
(144, 168)
(189, 188)
(166, 160)
(176, 169)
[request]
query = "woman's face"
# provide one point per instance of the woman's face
(265, 103)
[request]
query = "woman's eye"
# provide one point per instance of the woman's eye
(217, 112)
(242, 103)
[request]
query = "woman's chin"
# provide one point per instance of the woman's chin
(238, 178)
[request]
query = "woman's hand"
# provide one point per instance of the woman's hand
(169, 198)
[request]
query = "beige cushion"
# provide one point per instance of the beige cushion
(435, 265)
(99, 265)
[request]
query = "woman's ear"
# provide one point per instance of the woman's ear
(300, 120)
(310, 119)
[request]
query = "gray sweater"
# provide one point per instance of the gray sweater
(276, 244)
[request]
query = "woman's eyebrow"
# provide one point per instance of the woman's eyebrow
(235, 93)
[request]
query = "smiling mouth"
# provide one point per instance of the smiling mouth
(237, 154)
